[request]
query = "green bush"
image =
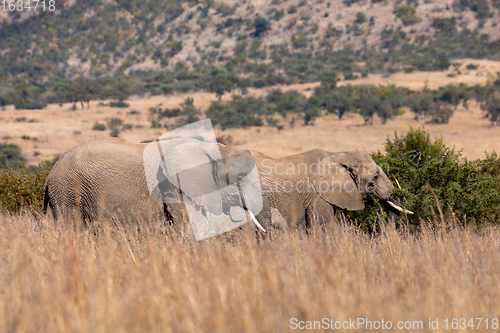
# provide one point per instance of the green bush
(408, 15)
(261, 25)
(492, 108)
(115, 132)
(114, 123)
(99, 127)
(10, 156)
(437, 180)
(21, 188)
(440, 114)
(444, 24)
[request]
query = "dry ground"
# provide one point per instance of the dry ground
(55, 279)
(56, 129)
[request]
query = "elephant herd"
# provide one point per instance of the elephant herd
(111, 178)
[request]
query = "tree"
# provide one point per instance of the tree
(220, 85)
(189, 112)
(440, 113)
(443, 61)
(243, 85)
(444, 24)
(360, 18)
(421, 103)
(328, 78)
(492, 108)
(82, 90)
(367, 105)
(338, 103)
(408, 15)
(10, 156)
(27, 96)
(118, 90)
(261, 25)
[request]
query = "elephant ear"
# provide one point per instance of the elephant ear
(334, 181)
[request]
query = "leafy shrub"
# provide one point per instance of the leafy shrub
(444, 24)
(20, 189)
(114, 123)
(440, 114)
(239, 112)
(29, 104)
(10, 156)
(115, 132)
(408, 15)
(437, 180)
(4, 100)
(119, 104)
(261, 25)
(99, 127)
(491, 107)
(360, 18)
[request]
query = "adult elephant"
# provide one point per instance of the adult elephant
(305, 188)
(112, 178)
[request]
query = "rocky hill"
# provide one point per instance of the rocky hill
(110, 37)
(75, 51)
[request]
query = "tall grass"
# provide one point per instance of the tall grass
(55, 277)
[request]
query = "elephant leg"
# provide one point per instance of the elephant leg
(277, 220)
(320, 212)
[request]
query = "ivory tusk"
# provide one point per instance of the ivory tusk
(393, 205)
(254, 220)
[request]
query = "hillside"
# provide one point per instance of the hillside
(159, 47)
(103, 37)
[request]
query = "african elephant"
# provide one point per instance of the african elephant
(301, 189)
(111, 177)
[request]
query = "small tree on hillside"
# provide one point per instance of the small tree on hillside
(118, 90)
(82, 90)
(261, 25)
(338, 103)
(328, 78)
(220, 84)
(492, 108)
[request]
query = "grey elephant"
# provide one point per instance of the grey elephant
(109, 178)
(307, 188)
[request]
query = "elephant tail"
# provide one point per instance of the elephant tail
(46, 199)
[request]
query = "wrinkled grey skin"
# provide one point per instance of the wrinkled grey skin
(106, 178)
(354, 174)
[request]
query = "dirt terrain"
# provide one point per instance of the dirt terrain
(44, 133)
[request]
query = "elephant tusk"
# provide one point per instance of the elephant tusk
(393, 205)
(254, 220)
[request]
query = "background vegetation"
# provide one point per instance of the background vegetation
(156, 47)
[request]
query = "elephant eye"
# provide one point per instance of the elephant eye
(371, 186)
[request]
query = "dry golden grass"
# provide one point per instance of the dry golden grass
(55, 279)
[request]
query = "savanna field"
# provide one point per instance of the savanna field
(148, 277)
(56, 278)
(415, 83)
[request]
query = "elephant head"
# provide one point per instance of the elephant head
(346, 179)
(218, 185)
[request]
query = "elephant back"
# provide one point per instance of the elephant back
(102, 177)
